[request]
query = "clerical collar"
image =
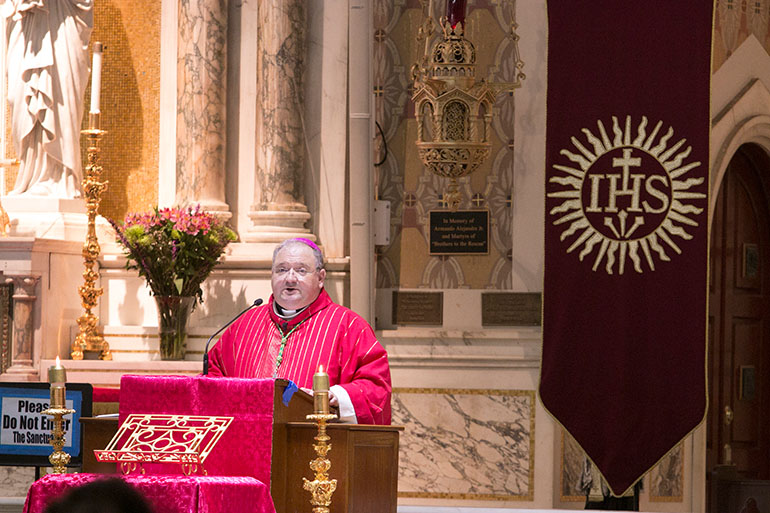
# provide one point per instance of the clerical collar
(283, 313)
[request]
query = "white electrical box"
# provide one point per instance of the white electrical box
(381, 223)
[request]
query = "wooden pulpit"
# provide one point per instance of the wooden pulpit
(364, 458)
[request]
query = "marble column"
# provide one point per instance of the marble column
(23, 332)
(279, 209)
(201, 105)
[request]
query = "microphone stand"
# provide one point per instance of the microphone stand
(256, 302)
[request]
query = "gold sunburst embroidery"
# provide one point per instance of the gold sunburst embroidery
(624, 196)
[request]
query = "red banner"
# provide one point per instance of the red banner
(626, 228)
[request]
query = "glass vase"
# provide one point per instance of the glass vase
(173, 314)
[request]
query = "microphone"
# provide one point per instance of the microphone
(256, 302)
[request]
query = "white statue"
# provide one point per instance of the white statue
(47, 76)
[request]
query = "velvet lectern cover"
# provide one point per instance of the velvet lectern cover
(626, 228)
(245, 448)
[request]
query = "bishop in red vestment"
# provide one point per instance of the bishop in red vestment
(301, 328)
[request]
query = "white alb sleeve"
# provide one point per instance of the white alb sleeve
(347, 412)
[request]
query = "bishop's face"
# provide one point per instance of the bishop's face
(296, 282)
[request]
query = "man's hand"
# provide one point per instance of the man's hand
(333, 401)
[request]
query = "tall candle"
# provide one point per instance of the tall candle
(57, 376)
(96, 78)
(455, 12)
(321, 391)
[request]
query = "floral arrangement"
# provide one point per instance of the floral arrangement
(174, 249)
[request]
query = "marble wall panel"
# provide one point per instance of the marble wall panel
(14, 481)
(572, 463)
(466, 444)
(666, 479)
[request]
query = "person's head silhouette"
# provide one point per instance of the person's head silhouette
(109, 495)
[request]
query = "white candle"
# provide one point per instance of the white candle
(321, 391)
(96, 78)
(57, 376)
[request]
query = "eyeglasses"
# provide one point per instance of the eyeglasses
(299, 271)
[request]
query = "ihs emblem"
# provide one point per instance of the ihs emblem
(629, 197)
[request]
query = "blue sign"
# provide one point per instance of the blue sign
(25, 431)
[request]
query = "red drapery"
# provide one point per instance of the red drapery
(167, 494)
(248, 401)
(626, 230)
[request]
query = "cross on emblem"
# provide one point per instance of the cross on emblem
(626, 163)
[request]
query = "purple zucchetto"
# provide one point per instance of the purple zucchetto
(308, 242)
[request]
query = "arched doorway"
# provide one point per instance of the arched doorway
(739, 318)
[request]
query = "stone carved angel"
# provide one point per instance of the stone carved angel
(47, 76)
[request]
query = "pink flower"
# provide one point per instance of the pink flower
(172, 245)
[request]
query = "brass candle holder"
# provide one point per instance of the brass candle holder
(88, 339)
(321, 488)
(58, 458)
(57, 376)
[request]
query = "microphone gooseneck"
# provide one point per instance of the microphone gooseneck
(256, 302)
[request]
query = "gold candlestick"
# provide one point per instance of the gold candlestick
(88, 339)
(57, 376)
(321, 488)
(58, 458)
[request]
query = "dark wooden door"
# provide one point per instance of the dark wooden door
(739, 318)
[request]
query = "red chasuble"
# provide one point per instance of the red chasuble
(626, 227)
(325, 333)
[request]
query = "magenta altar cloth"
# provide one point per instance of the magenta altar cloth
(168, 494)
(245, 448)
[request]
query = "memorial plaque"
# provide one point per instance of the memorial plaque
(418, 308)
(465, 232)
(510, 308)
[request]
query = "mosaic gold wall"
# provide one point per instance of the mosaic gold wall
(130, 30)
(130, 102)
(12, 170)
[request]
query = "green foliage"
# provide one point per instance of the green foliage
(173, 249)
